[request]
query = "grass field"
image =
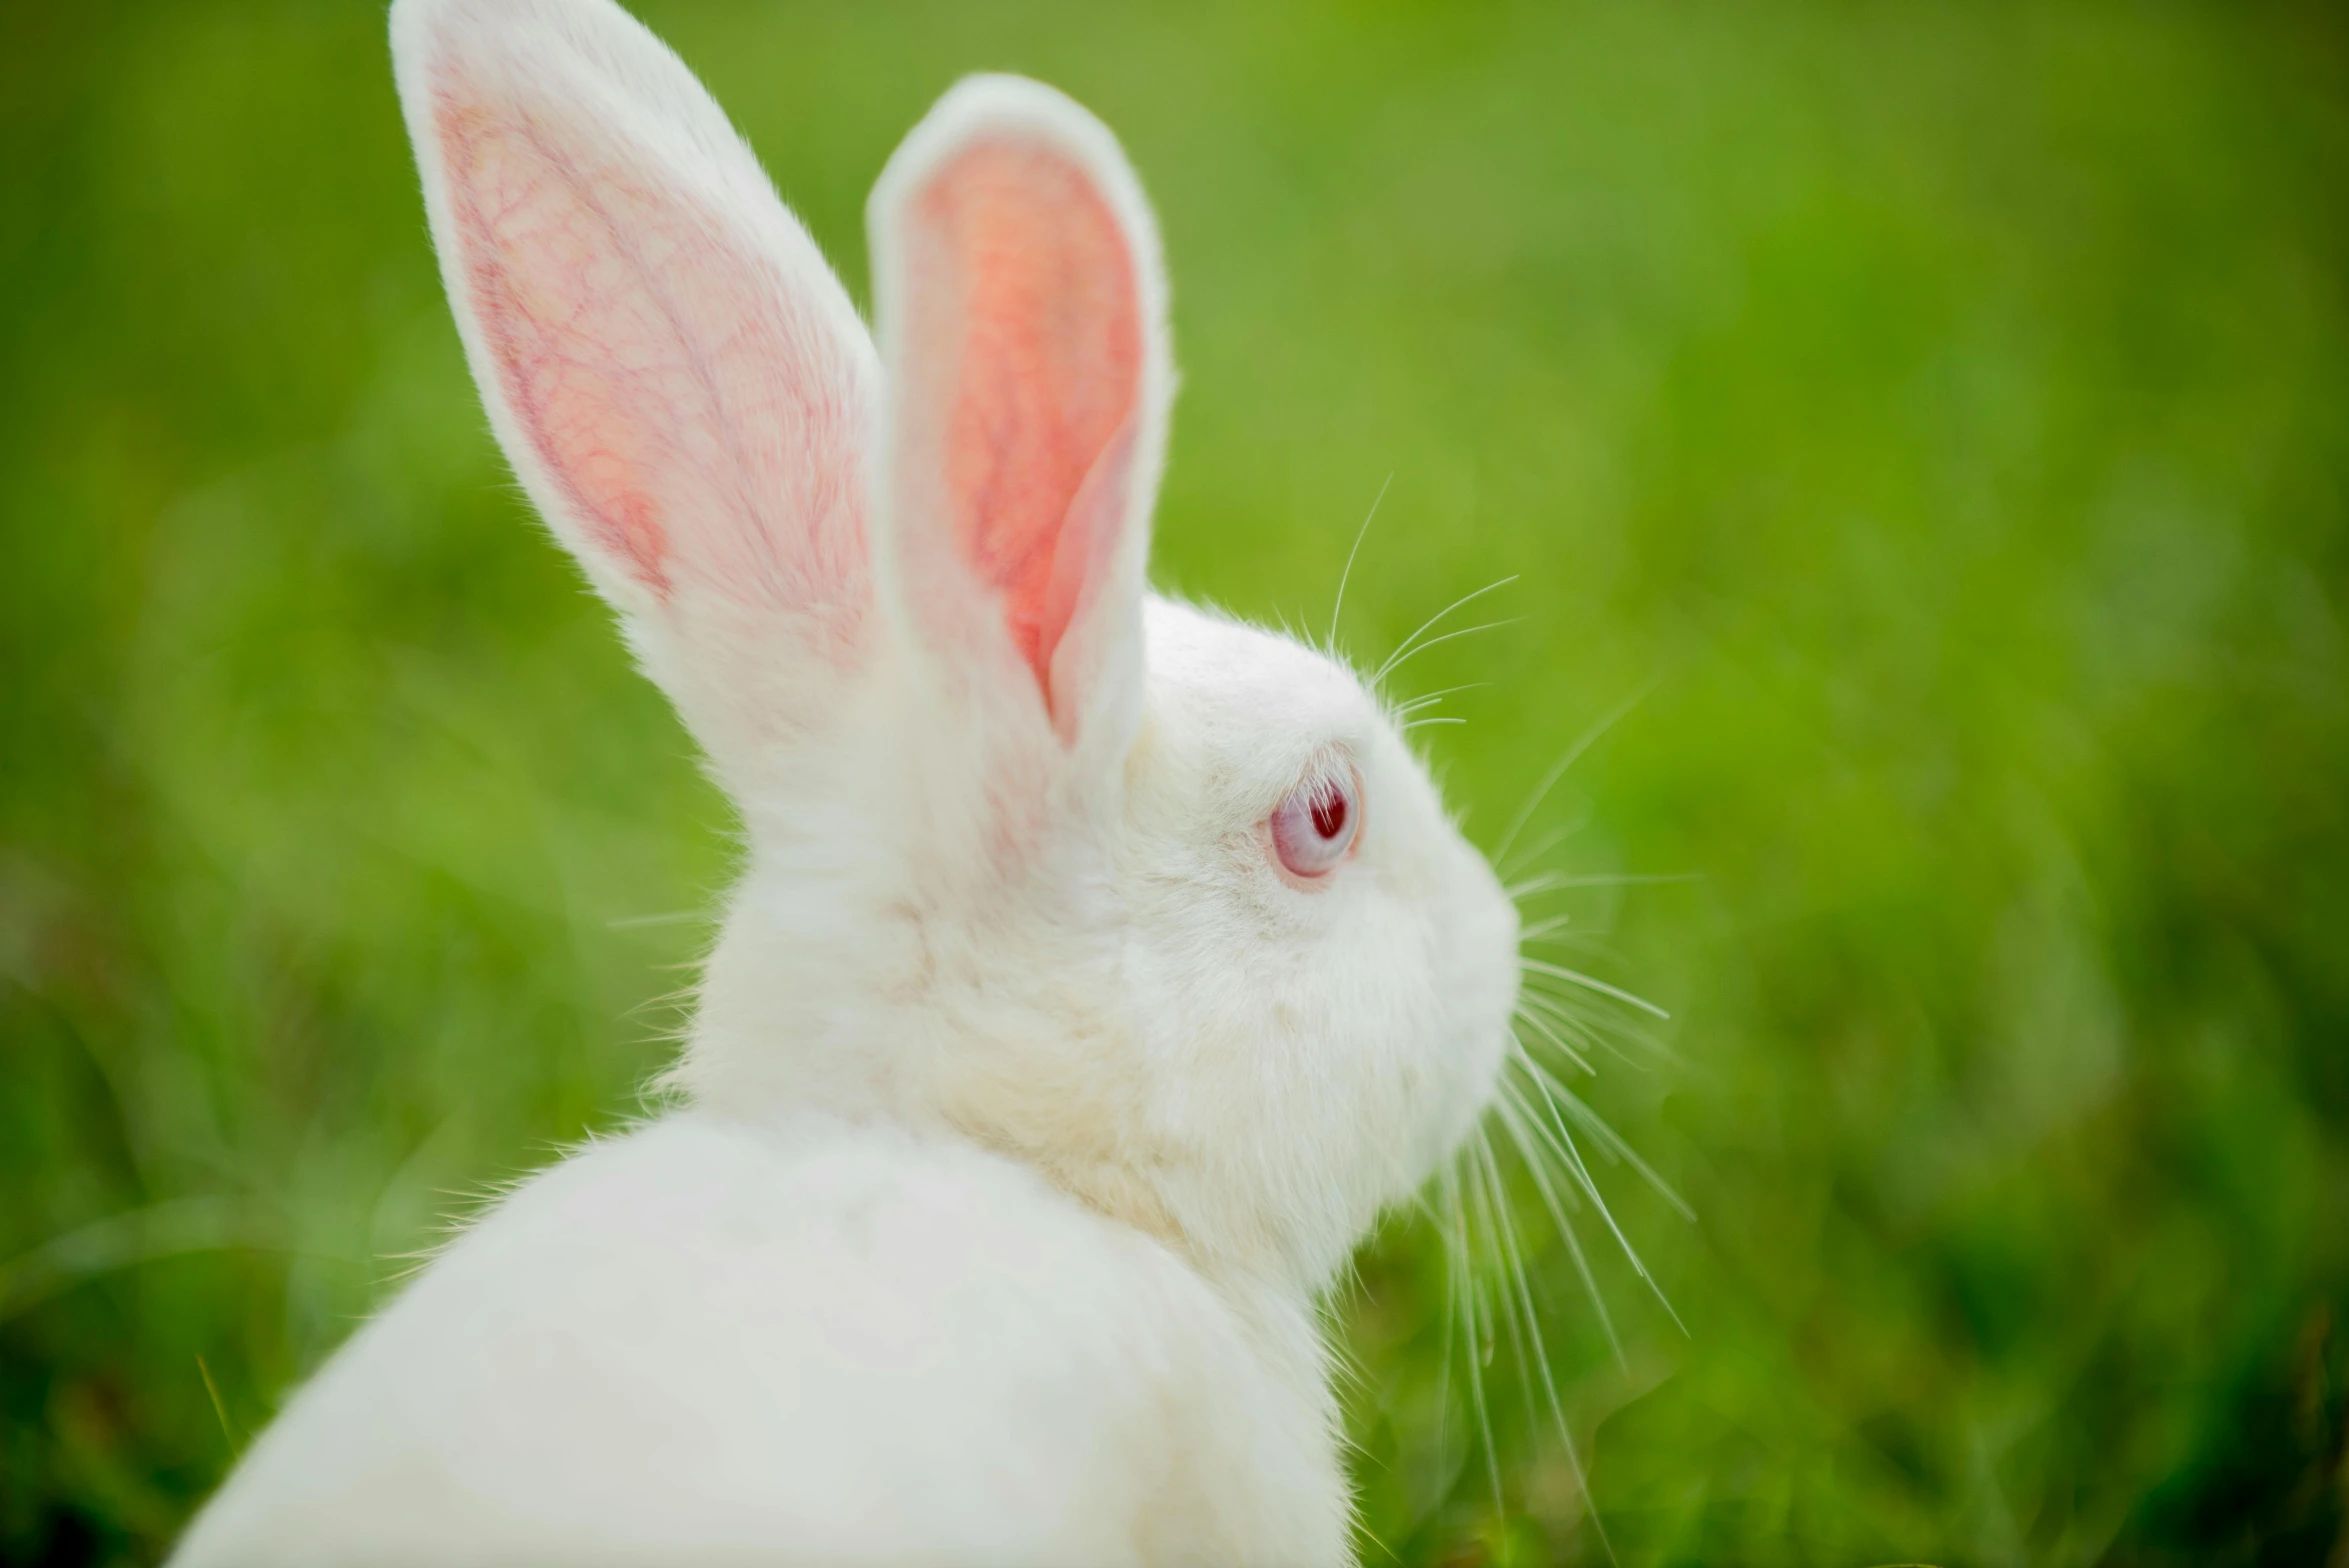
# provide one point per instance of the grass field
(1941, 412)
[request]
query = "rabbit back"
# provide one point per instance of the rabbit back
(835, 1343)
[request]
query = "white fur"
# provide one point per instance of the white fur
(1029, 1105)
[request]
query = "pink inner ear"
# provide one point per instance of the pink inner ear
(698, 423)
(1026, 266)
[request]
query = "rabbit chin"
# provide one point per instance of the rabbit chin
(1145, 1009)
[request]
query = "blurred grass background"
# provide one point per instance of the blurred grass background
(1946, 406)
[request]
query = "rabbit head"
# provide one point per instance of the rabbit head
(1156, 902)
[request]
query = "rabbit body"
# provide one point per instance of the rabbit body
(828, 1342)
(1099, 967)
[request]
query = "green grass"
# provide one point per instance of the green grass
(1946, 407)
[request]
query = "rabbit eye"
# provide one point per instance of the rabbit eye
(1315, 826)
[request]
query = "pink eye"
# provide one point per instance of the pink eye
(1314, 827)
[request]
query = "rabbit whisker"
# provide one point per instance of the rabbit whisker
(1553, 933)
(1405, 647)
(1531, 1348)
(1552, 881)
(1481, 1355)
(1574, 1011)
(1339, 603)
(1532, 853)
(1429, 699)
(1448, 1230)
(1516, 1116)
(1403, 658)
(674, 917)
(1549, 780)
(1560, 1139)
(1593, 1024)
(1542, 1027)
(1592, 1027)
(1612, 1144)
(1510, 1285)
(1592, 983)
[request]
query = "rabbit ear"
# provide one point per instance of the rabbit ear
(1021, 308)
(681, 382)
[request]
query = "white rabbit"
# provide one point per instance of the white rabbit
(1100, 966)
